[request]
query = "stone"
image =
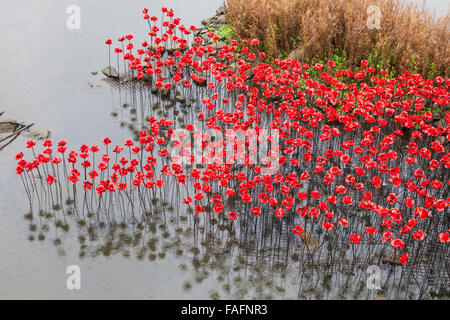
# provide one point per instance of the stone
(180, 98)
(110, 72)
(206, 21)
(297, 53)
(8, 125)
(147, 78)
(37, 134)
(393, 259)
(220, 20)
(202, 84)
(206, 40)
(309, 241)
(165, 92)
(173, 48)
(153, 47)
(220, 11)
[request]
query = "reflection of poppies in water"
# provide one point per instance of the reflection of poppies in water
(353, 172)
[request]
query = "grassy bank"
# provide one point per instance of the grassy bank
(408, 38)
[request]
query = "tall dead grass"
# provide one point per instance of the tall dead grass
(409, 38)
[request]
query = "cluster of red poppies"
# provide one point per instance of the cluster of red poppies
(351, 141)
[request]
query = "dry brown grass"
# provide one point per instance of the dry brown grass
(410, 38)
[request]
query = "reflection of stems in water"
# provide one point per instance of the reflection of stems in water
(98, 207)
(350, 270)
(65, 172)
(163, 205)
(26, 189)
(141, 201)
(132, 204)
(119, 199)
(149, 198)
(32, 183)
